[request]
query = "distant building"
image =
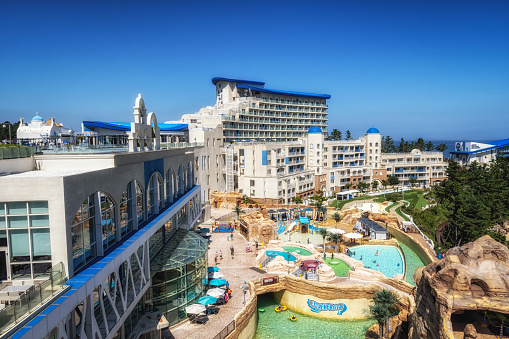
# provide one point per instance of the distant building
(467, 152)
(372, 229)
(39, 131)
(250, 112)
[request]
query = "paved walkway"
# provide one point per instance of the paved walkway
(236, 271)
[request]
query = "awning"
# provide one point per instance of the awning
(304, 220)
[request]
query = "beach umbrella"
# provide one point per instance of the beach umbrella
(216, 275)
(330, 247)
(195, 309)
(217, 282)
(213, 269)
(353, 235)
(336, 231)
(216, 292)
(207, 300)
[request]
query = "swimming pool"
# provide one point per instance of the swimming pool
(298, 250)
(412, 262)
(278, 325)
(388, 261)
(286, 255)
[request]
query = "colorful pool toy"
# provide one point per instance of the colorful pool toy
(283, 308)
(293, 318)
(277, 309)
(261, 309)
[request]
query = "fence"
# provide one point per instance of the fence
(226, 331)
(16, 152)
(31, 300)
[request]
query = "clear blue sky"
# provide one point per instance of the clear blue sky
(436, 69)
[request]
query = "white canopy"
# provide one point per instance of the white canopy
(216, 292)
(336, 231)
(215, 275)
(195, 309)
(353, 235)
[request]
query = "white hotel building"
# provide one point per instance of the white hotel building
(250, 112)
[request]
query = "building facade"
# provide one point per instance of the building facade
(467, 152)
(250, 112)
(39, 131)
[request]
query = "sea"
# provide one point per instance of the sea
(450, 144)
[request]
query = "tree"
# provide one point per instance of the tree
(297, 200)
(375, 184)
(419, 144)
(323, 232)
(336, 239)
(392, 180)
(388, 145)
(238, 210)
(441, 147)
(385, 183)
(362, 186)
(4, 131)
(336, 135)
(348, 135)
(385, 305)
(412, 181)
(348, 185)
(337, 218)
(429, 146)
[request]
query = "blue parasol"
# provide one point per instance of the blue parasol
(213, 269)
(217, 282)
(207, 300)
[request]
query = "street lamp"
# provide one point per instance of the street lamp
(10, 136)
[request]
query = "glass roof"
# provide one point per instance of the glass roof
(184, 247)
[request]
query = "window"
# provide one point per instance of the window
(107, 220)
(126, 215)
(251, 183)
(83, 234)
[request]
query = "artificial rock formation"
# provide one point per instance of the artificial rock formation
(471, 277)
(351, 215)
(259, 227)
(226, 200)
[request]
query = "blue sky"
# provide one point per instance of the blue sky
(436, 69)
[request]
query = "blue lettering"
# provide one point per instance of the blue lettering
(319, 307)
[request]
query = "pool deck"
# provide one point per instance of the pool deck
(236, 271)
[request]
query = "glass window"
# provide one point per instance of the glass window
(83, 235)
(126, 217)
(2, 208)
(38, 207)
(21, 271)
(42, 270)
(3, 238)
(18, 221)
(139, 202)
(39, 220)
(41, 247)
(2, 222)
(19, 245)
(107, 220)
(16, 208)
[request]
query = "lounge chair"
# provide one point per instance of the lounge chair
(201, 319)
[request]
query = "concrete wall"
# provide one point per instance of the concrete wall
(17, 165)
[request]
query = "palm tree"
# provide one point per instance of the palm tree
(323, 232)
(347, 186)
(336, 239)
(336, 217)
(375, 184)
(238, 210)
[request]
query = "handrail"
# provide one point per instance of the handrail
(31, 300)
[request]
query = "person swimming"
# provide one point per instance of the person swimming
(376, 252)
(360, 257)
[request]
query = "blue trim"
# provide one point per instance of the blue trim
(249, 82)
(294, 94)
(264, 157)
(126, 126)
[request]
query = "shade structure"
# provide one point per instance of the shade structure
(215, 275)
(271, 211)
(217, 282)
(336, 231)
(216, 292)
(316, 246)
(204, 229)
(304, 220)
(353, 235)
(213, 269)
(330, 247)
(207, 300)
(195, 309)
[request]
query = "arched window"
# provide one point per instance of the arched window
(376, 144)
(139, 203)
(126, 209)
(168, 180)
(154, 194)
(108, 221)
(180, 179)
(83, 233)
(189, 175)
(376, 151)
(311, 146)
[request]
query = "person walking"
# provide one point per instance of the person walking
(232, 251)
(221, 254)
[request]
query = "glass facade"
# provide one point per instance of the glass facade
(82, 233)
(24, 229)
(179, 275)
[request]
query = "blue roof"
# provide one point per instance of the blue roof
(304, 220)
(495, 145)
(294, 94)
(126, 126)
(37, 118)
(372, 130)
(249, 82)
(315, 129)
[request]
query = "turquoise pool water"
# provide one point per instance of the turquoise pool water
(298, 250)
(273, 325)
(388, 261)
(286, 255)
(412, 261)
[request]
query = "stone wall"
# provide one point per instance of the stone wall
(474, 276)
(226, 200)
(259, 227)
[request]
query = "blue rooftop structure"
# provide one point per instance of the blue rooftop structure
(494, 145)
(279, 92)
(372, 130)
(238, 81)
(37, 118)
(126, 126)
(315, 129)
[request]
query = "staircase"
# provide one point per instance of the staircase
(266, 261)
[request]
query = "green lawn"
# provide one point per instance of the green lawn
(416, 199)
(388, 208)
(398, 210)
(340, 269)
